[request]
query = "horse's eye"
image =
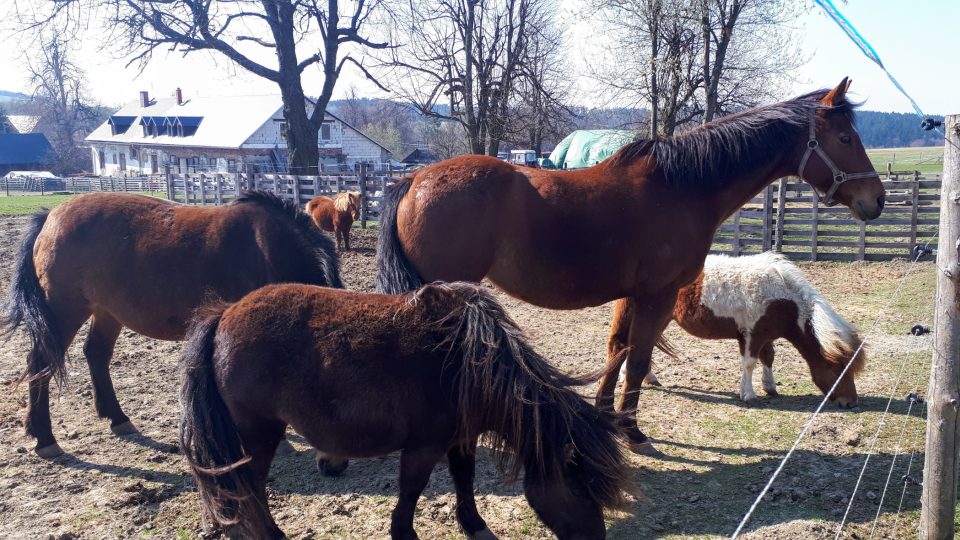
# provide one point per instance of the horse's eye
(845, 139)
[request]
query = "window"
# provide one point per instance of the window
(123, 161)
(325, 131)
(101, 155)
(231, 165)
(284, 129)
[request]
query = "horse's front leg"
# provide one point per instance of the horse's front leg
(416, 464)
(649, 320)
(462, 463)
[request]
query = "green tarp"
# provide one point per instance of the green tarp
(587, 147)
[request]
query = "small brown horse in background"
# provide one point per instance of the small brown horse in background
(757, 299)
(636, 226)
(362, 375)
(336, 215)
(145, 264)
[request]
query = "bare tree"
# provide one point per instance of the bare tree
(464, 60)
(239, 31)
(66, 112)
(692, 61)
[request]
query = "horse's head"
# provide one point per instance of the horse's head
(834, 161)
(825, 373)
(592, 477)
(354, 197)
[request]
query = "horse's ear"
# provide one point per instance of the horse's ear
(836, 96)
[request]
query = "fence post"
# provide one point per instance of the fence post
(815, 219)
(363, 195)
(914, 210)
(736, 234)
(6, 186)
(218, 186)
(862, 248)
(203, 189)
(296, 189)
(943, 394)
(781, 206)
(767, 217)
(166, 171)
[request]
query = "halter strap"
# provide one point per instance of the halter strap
(839, 176)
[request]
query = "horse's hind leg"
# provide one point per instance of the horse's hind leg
(766, 358)
(415, 468)
(617, 345)
(462, 463)
(98, 349)
(260, 440)
(37, 421)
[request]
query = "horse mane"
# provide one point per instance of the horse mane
(345, 200)
(701, 159)
(506, 388)
(321, 244)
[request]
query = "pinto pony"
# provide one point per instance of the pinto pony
(145, 264)
(336, 215)
(637, 226)
(360, 375)
(759, 298)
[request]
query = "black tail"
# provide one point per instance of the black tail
(208, 435)
(395, 274)
(27, 305)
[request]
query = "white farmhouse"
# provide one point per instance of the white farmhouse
(221, 134)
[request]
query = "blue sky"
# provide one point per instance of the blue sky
(915, 38)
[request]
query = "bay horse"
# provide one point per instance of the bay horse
(336, 215)
(757, 299)
(364, 374)
(636, 226)
(144, 263)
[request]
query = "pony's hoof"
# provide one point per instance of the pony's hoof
(652, 380)
(483, 534)
(331, 466)
(50, 451)
(645, 448)
(126, 428)
(773, 393)
(748, 398)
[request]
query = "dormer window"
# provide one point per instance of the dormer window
(120, 124)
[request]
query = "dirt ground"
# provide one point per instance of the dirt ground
(717, 451)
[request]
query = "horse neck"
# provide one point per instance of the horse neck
(743, 186)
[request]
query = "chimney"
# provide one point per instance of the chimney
(179, 94)
(144, 98)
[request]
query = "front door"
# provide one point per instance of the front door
(153, 164)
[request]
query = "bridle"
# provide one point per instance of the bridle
(839, 177)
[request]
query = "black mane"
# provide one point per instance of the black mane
(702, 158)
(321, 244)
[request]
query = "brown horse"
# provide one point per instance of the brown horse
(360, 374)
(336, 215)
(636, 226)
(757, 299)
(145, 264)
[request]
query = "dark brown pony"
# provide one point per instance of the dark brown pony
(757, 299)
(360, 375)
(636, 226)
(336, 215)
(145, 264)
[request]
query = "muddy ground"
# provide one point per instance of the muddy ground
(717, 451)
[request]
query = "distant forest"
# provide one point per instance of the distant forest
(894, 130)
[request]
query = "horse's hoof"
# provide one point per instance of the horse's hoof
(483, 534)
(773, 393)
(126, 428)
(50, 451)
(652, 381)
(331, 467)
(644, 448)
(747, 398)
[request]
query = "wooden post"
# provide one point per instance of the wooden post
(296, 189)
(203, 190)
(736, 234)
(939, 499)
(914, 210)
(218, 185)
(363, 195)
(6, 186)
(781, 206)
(316, 186)
(767, 217)
(814, 218)
(166, 171)
(862, 248)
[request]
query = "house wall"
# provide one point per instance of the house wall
(359, 149)
(180, 159)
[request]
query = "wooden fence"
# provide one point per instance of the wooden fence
(785, 217)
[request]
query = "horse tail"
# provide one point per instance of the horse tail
(839, 341)
(395, 274)
(208, 435)
(26, 306)
(538, 421)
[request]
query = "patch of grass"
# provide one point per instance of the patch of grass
(16, 205)
(926, 159)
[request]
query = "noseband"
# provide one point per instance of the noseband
(839, 176)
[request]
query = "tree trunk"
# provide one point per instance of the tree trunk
(302, 134)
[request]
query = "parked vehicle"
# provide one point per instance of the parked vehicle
(524, 157)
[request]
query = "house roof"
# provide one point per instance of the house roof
(419, 155)
(24, 148)
(220, 122)
(23, 123)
